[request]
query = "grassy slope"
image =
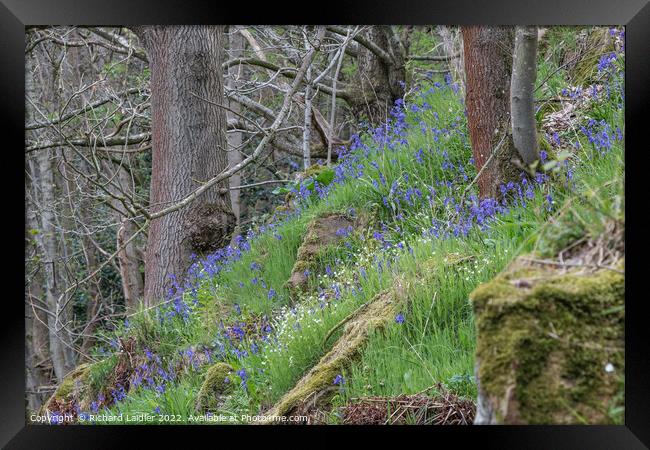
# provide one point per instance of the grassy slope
(425, 149)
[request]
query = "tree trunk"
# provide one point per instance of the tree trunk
(452, 43)
(379, 81)
(522, 98)
(188, 148)
(488, 63)
(236, 45)
(332, 124)
(36, 334)
(129, 263)
(37, 372)
(128, 257)
(306, 130)
(42, 172)
(46, 239)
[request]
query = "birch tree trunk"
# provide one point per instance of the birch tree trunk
(188, 148)
(236, 46)
(306, 131)
(522, 99)
(332, 128)
(488, 63)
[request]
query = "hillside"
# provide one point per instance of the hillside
(356, 291)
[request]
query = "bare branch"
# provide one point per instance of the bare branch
(262, 144)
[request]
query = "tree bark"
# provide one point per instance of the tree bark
(42, 172)
(129, 258)
(332, 124)
(46, 239)
(188, 148)
(378, 80)
(306, 131)
(236, 45)
(452, 43)
(522, 99)
(36, 333)
(488, 64)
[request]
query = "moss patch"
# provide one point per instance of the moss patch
(217, 383)
(321, 232)
(319, 380)
(550, 345)
(73, 389)
(314, 170)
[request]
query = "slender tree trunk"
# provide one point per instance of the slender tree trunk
(236, 45)
(129, 262)
(42, 172)
(93, 288)
(46, 239)
(306, 130)
(522, 98)
(63, 220)
(188, 148)
(36, 334)
(488, 63)
(332, 128)
(129, 258)
(94, 299)
(452, 43)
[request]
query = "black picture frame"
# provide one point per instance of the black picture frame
(15, 15)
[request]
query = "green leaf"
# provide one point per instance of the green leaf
(281, 190)
(325, 177)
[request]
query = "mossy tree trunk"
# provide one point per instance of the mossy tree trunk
(488, 65)
(188, 148)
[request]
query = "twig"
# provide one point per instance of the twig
(568, 264)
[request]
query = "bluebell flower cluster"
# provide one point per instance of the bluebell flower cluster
(438, 204)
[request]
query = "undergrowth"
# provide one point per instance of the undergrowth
(413, 176)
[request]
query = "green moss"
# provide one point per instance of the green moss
(217, 384)
(74, 387)
(318, 381)
(543, 343)
(65, 389)
(320, 234)
(314, 170)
